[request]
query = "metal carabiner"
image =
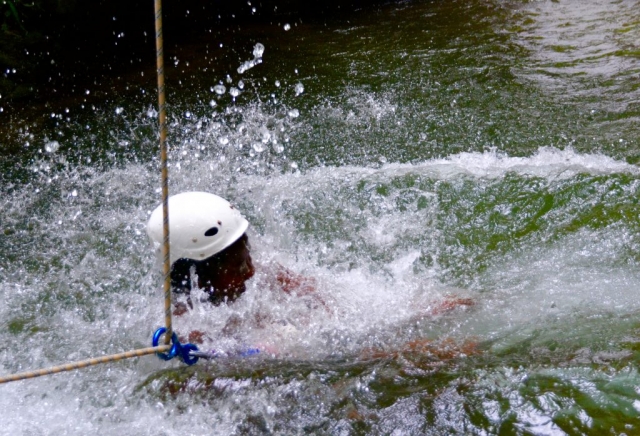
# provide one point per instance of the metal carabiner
(177, 349)
(175, 344)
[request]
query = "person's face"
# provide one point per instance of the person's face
(233, 267)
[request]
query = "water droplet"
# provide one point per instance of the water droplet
(277, 84)
(152, 113)
(219, 89)
(382, 159)
(74, 193)
(228, 79)
(266, 136)
(51, 146)
(293, 113)
(294, 165)
(212, 103)
(187, 114)
(224, 140)
(234, 92)
(241, 84)
(278, 148)
(242, 68)
(119, 110)
(287, 26)
(258, 147)
(299, 88)
(258, 50)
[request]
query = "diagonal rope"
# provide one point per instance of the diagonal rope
(85, 363)
(162, 118)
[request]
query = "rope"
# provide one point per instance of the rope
(172, 345)
(85, 363)
(162, 118)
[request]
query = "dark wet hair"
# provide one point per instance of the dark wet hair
(181, 275)
(181, 272)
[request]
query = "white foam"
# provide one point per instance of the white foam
(368, 270)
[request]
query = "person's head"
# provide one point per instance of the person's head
(207, 237)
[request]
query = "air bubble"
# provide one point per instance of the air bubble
(277, 84)
(299, 88)
(119, 110)
(240, 84)
(219, 89)
(287, 26)
(293, 113)
(258, 147)
(212, 103)
(234, 92)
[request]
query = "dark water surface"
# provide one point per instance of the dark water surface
(404, 155)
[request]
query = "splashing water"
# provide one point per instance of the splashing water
(388, 196)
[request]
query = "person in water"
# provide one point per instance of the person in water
(208, 242)
(210, 249)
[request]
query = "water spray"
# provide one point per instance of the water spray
(172, 346)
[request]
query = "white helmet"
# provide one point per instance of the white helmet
(200, 225)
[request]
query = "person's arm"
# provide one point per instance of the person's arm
(448, 304)
(296, 284)
(438, 349)
(293, 283)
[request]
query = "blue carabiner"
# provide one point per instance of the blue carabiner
(175, 345)
(177, 349)
(185, 354)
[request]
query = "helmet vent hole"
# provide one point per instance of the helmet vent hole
(211, 232)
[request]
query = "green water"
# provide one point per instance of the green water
(401, 154)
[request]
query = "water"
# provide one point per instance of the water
(409, 154)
